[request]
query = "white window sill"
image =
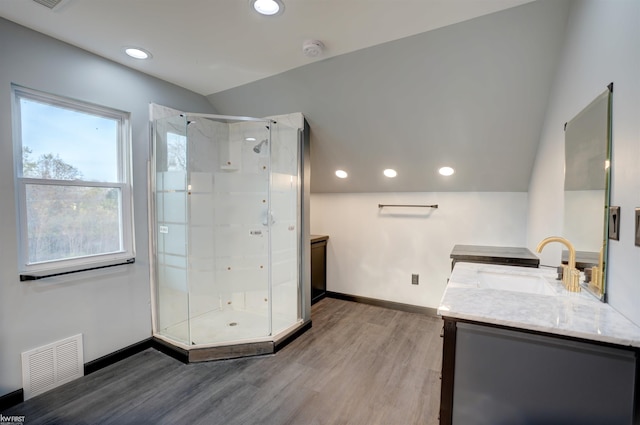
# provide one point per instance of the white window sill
(59, 272)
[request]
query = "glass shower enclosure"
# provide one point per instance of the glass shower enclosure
(229, 240)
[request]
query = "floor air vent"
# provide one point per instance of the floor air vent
(52, 365)
(51, 4)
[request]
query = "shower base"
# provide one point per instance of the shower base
(230, 334)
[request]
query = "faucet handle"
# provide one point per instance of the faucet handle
(596, 279)
(573, 283)
(564, 274)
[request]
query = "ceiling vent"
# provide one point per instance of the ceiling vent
(51, 4)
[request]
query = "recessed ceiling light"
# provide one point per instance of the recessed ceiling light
(341, 174)
(268, 7)
(137, 53)
(446, 171)
(390, 173)
(250, 139)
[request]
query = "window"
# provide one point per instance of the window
(73, 178)
(176, 152)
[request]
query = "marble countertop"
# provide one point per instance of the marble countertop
(578, 315)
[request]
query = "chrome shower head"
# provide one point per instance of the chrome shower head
(257, 148)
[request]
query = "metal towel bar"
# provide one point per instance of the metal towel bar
(412, 206)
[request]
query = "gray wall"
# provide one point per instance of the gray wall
(602, 46)
(111, 308)
(470, 95)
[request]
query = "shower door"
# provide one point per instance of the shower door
(171, 229)
(228, 204)
(285, 231)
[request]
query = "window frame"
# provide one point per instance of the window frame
(124, 185)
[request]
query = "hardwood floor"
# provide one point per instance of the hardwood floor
(358, 364)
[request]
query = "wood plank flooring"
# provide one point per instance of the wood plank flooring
(358, 364)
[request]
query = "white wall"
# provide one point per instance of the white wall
(602, 45)
(111, 307)
(373, 252)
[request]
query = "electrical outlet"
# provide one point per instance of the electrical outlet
(414, 279)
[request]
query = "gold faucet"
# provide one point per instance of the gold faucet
(570, 275)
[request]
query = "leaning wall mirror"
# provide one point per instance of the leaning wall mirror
(586, 189)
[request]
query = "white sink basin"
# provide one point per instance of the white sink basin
(530, 283)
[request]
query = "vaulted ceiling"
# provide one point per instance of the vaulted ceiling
(471, 96)
(404, 84)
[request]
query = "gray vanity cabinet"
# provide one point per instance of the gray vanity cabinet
(494, 375)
